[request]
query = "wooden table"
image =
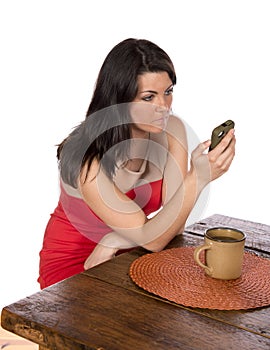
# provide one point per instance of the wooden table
(103, 309)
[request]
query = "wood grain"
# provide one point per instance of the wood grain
(257, 234)
(116, 271)
(85, 313)
(103, 309)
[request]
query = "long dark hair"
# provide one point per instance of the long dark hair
(107, 121)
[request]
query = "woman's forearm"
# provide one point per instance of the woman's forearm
(155, 233)
(158, 231)
(171, 220)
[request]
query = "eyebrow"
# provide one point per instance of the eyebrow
(155, 92)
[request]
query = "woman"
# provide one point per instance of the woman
(126, 160)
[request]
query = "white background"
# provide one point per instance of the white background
(51, 52)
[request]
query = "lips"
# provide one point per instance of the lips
(162, 122)
(162, 119)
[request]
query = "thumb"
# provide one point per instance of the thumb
(201, 148)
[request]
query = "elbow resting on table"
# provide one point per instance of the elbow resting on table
(160, 243)
(153, 247)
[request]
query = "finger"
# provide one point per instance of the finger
(224, 160)
(224, 143)
(227, 139)
(201, 148)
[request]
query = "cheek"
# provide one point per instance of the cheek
(142, 113)
(168, 101)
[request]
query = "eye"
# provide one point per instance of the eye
(148, 98)
(169, 91)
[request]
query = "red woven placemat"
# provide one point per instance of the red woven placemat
(173, 274)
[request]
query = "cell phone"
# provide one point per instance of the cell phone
(219, 132)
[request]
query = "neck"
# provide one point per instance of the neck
(138, 150)
(139, 134)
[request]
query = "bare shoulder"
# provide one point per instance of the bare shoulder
(176, 131)
(89, 173)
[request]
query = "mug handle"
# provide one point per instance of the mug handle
(197, 252)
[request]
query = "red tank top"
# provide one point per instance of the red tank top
(74, 230)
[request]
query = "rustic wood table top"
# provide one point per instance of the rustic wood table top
(102, 308)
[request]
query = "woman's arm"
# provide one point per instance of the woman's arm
(205, 167)
(129, 221)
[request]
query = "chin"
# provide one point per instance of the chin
(157, 130)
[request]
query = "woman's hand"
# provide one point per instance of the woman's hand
(99, 255)
(210, 166)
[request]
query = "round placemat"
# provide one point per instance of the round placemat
(173, 274)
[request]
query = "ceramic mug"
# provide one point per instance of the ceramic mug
(224, 251)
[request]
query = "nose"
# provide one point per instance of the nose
(162, 104)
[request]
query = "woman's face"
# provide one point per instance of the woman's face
(151, 107)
